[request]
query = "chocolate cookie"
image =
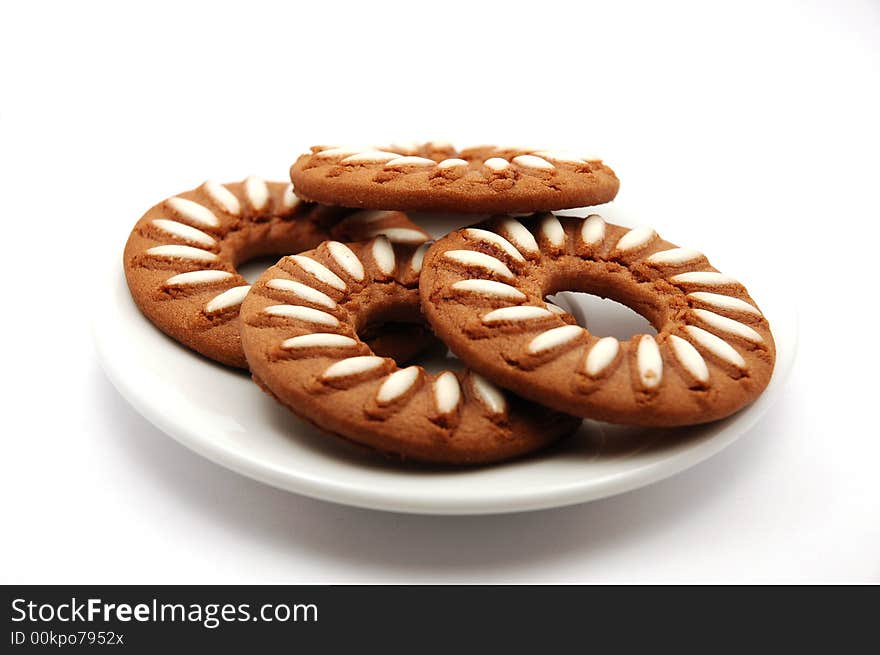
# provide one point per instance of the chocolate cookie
(300, 331)
(181, 256)
(437, 177)
(482, 291)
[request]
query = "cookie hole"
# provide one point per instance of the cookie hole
(410, 343)
(438, 358)
(604, 317)
(254, 268)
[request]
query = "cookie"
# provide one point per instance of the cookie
(482, 291)
(437, 177)
(181, 256)
(301, 326)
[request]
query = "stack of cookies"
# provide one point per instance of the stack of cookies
(360, 291)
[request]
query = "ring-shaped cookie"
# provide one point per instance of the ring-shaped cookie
(180, 259)
(437, 177)
(300, 325)
(482, 292)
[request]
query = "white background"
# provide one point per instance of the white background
(747, 129)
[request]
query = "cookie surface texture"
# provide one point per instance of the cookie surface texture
(300, 332)
(437, 177)
(180, 259)
(483, 289)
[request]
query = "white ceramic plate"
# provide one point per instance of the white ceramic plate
(222, 415)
